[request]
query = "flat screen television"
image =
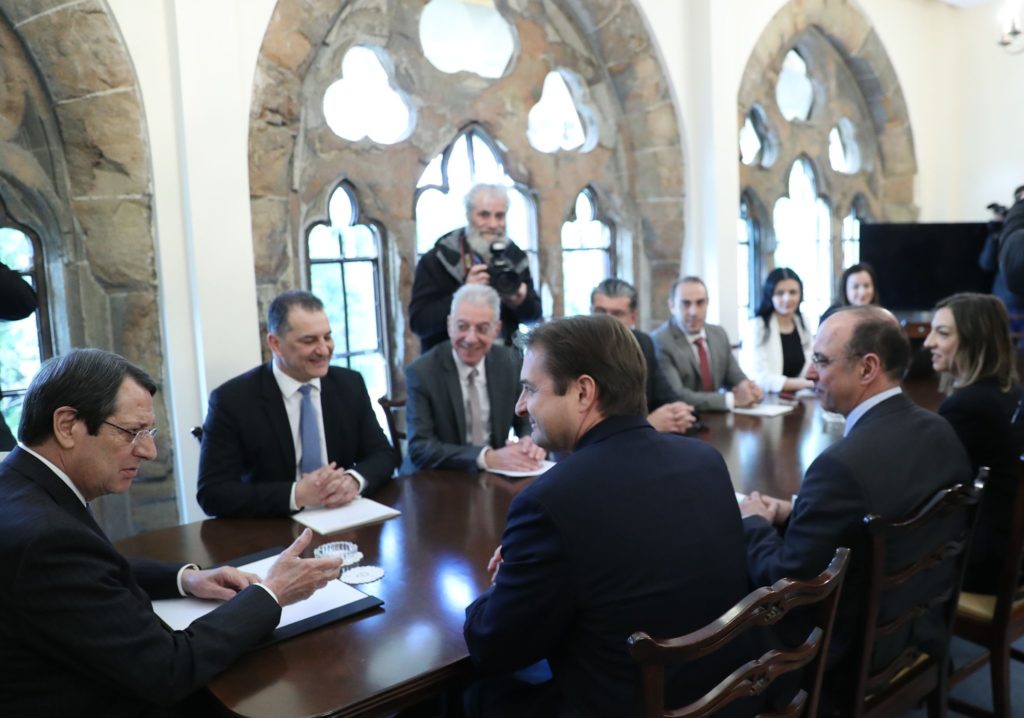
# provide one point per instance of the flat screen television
(919, 264)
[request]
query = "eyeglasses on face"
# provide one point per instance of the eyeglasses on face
(136, 435)
(822, 362)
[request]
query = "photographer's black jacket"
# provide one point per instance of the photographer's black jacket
(441, 272)
(1011, 248)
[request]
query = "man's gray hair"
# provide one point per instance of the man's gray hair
(483, 188)
(481, 295)
(614, 288)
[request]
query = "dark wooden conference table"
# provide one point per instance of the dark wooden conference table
(434, 556)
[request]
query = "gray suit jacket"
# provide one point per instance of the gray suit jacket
(680, 367)
(436, 416)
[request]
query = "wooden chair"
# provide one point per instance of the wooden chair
(914, 675)
(764, 607)
(995, 621)
(391, 408)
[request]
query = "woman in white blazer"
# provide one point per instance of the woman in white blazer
(777, 347)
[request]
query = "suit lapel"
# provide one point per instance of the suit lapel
(685, 349)
(497, 377)
(277, 417)
(37, 471)
(450, 377)
(331, 404)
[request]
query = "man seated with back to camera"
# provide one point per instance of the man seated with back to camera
(466, 256)
(893, 457)
(618, 299)
(79, 636)
(634, 530)
(295, 432)
(462, 394)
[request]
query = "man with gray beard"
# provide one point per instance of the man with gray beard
(462, 257)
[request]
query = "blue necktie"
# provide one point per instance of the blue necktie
(309, 432)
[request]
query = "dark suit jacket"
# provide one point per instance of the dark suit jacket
(981, 416)
(680, 366)
(659, 391)
(247, 463)
(78, 635)
(436, 414)
(634, 530)
(895, 458)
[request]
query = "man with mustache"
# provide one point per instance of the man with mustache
(293, 433)
(462, 257)
(462, 394)
(79, 635)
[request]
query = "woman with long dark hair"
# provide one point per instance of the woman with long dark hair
(778, 344)
(971, 347)
(858, 286)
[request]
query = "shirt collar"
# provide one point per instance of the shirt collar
(60, 474)
(702, 334)
(463, 368)
(288, 385)
(862, 408)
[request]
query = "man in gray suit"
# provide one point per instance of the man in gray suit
(696, 357)
(462, 394)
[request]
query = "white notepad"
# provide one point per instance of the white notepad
(358, 513)
(544, 466)
(179, 613)
(765, 410)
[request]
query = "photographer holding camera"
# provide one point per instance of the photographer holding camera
(1011, 244)
(479, 253)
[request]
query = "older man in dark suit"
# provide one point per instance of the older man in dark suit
(462, 394)
(78, 635)
(293, 433)
(892, 458)
(633, 530)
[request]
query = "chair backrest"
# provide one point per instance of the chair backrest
(764, 607)
(931, 547)
(1008, 586)
(391, 408)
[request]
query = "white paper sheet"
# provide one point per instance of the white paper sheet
(179, 613)
(739, 497)
(358, 513)
(544, 466)
(765, 410)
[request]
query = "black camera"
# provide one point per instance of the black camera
(504, 277)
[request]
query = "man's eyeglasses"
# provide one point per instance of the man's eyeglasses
(822, 362)
(136, 435)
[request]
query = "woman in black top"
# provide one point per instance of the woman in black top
(970, 344)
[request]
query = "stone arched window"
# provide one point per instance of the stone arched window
(24, 342)
(588, 252)
(545, 97)
(343, 254)
(472, 157)
(824, 143)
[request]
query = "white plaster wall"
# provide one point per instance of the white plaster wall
(195, 61)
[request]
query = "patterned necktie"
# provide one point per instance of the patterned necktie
(705, 365)
(309, 432)
(476, 425)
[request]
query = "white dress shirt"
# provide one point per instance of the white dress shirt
(293, 407)
(463, 370)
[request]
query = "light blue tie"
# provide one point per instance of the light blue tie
(309, 432)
